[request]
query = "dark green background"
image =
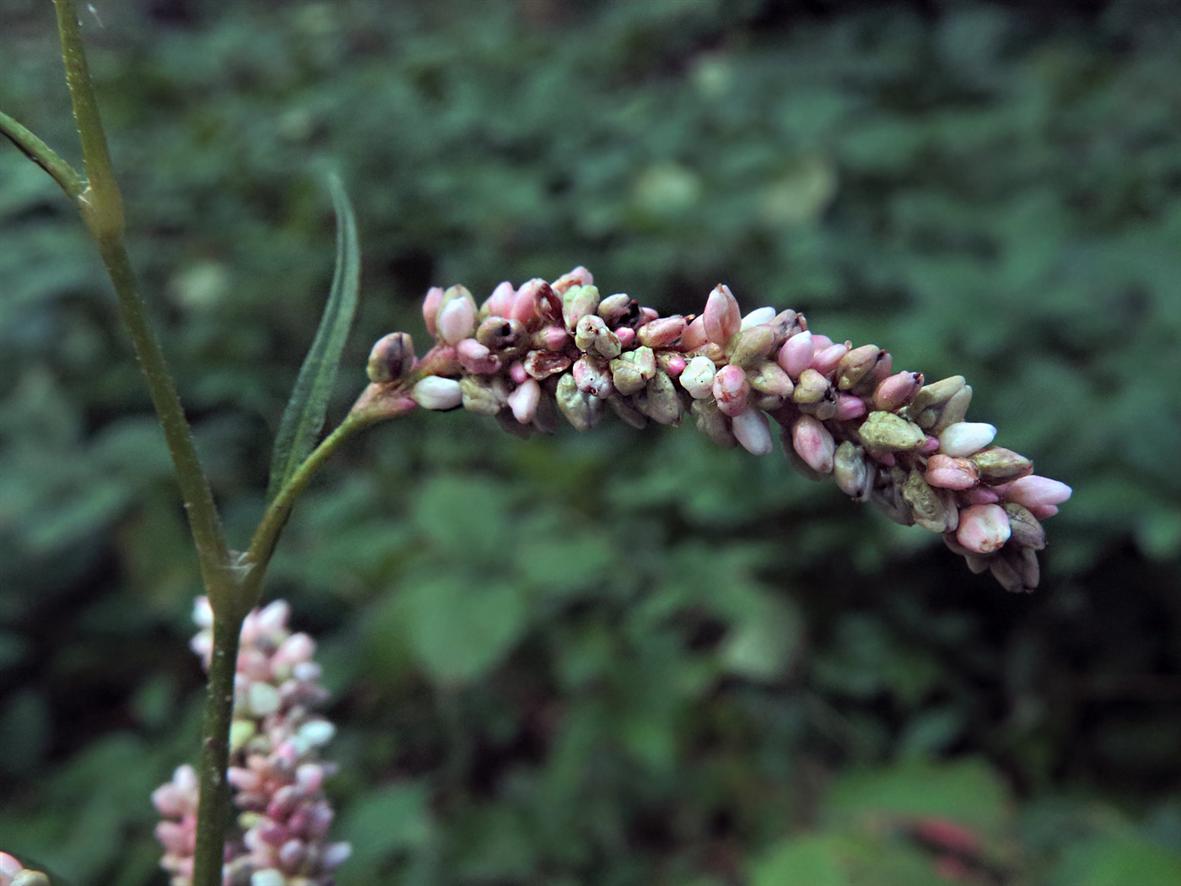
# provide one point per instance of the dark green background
(619, 658)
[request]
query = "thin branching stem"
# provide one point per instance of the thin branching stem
(44, 156)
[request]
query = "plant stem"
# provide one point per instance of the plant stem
(266, 536)
(204, 523)
(44, 156)
(101, 205)
(214, 806)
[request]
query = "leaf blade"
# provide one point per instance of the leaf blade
(307, 407)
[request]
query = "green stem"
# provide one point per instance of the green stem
(214, 808)
(101, 205)
(266, 536)
(198, 498)
(44, 156)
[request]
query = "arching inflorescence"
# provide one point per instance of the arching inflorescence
(531, 354)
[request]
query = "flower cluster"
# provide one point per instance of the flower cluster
(13, 873)
(532, 353)
(275, 771)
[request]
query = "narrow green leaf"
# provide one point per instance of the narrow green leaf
(303, 419)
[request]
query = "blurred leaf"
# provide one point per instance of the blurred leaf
(967, 792)
(458, 631)
(387, 821)
(1118, 861)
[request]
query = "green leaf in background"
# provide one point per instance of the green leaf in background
(459, 630)
(1116, 861)
(385, 822)
(304, 416)
(968, 793)
(840, 860)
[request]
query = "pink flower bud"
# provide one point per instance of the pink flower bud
(500, 302)
(722, 317)
(821, 342)
(796, 354)
(731, 390)
(674, 365)
(296, 648)
(981, 495)
(430, 307)
(663, 333)
(592, 377)
(813, 443)
(528, 303)
(825, 362)
(896, 391)
(850, 407)
(457, 316)
(9, 866)
(476, 358)
(694, 335)
(517, 373)
(578, 276)
(1035, 491)
(626, 335)
(176, 838)
(751, 430)
(946, 472)
(1044, 512)
(983, 529)
(930, 445)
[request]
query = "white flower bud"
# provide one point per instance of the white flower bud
(436, 392)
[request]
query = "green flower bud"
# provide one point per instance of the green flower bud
(499, 335)
(712, 423)
(660, 400)
(632, 370)
(890, 502)
(593, 337)
(627, 412)
(391, 358)
(1007, 572)
(887, 432)
(852, 472)
(1026, 529)
(936, 394)
(855, 365)
(770, 378)
(954, 410)
(931, 510)
(999, 465)
(582, 410)
(483, 395)
(511, 426)
(752, 346)
(579, 302)
(812, 388)
(619, 310)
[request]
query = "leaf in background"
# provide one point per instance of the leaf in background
(304, 416)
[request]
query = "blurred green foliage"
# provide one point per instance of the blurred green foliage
(621, 658)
